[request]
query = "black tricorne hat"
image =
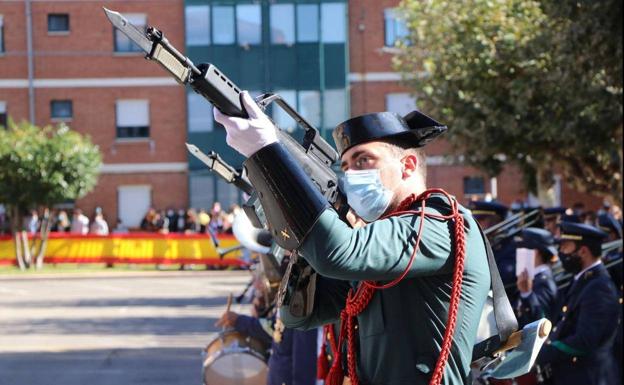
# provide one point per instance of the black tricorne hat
(415, 129)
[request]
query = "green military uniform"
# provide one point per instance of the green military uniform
(401, 331)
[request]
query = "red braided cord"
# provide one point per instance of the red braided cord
(356, 303)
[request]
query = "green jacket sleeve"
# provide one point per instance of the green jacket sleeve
(329, 300)
(379, 251)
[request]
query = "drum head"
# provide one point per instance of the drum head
(236, 369)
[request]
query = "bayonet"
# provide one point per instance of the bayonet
(221, 168)
(133, 33)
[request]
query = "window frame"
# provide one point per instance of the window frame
(470, 181)
(293, 15)
(390, 15)
(4, 116)
(134, 137)
(59, 32)
(186, 28)
(62, 118)
(237, 33)
(2, 47)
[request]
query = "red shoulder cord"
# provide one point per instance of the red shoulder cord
(358, 301)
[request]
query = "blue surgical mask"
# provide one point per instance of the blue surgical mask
(366, 195)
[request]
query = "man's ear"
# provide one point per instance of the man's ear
(410, 165)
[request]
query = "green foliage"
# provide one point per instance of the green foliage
(536, 84)
(44, 166)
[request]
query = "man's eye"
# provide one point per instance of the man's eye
(363, 161)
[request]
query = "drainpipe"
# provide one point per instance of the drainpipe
(31, 65)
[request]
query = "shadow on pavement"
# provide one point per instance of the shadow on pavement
(166, 302)
(154, 366)
(113, 326)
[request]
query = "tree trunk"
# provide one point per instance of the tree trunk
(26, 249)
(46, 225)
(545, 186)
(17, 238)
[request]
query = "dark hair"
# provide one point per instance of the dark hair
(400, 148)
(594, 246)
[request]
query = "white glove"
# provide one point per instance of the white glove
(248, 135)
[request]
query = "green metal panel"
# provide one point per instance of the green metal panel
(266, 67)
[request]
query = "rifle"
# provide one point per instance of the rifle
(314, 154)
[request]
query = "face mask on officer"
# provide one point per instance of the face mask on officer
(571, 262)
(366, 193)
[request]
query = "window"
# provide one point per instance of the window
(122, 42)
(1, 34)
(132, 119)
(133, 203)
(310, 106)
(3, 114)
(223, 25)
(61, 109)
(334, 107)
(282, 24)
(396, 29)
(248, 24)
(401, 103)
(333, 22)
(199, 113)
(474, 185)
(58, 22)
(307, 23)
(281, 118)
(197, 25)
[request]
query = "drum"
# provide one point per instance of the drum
(235, 359)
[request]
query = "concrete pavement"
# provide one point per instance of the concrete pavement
(120, 328)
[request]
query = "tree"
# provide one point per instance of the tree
(535, 84)
(41, 167)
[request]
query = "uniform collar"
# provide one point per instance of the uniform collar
(598, 262)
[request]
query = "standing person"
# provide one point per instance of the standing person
(80, 223)
(172, 219)
(181, 222)
(421, 245)
(191, 223)
(216, 218)
(552, 217)
(579, 348)
(62, 223)
(33, 222)
(99, 225)
(537, 295)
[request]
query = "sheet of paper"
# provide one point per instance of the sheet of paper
(525, 260)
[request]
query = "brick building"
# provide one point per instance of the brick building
(75, 69)
(330, 59)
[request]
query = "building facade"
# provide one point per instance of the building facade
(61, 62)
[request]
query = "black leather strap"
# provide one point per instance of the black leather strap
(506, 321)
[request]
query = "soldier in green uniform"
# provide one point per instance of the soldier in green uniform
(394, 280)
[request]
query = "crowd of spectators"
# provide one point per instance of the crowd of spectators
(190, 221)
(170, 221)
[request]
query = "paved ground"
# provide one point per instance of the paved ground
(101, 329)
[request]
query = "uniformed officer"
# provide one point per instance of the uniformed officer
(537, 295)
(552, 217)
(578, 350)
(609, 224)
(394, 334)
(489, 214)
